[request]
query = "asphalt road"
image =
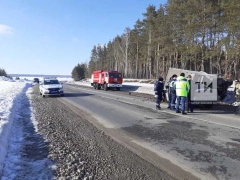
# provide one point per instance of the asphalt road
(205, 144)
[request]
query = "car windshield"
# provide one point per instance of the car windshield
(50, 82)
(111, 75)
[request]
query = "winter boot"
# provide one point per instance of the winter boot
(158, 107)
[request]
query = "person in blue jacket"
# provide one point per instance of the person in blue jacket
(159, 92)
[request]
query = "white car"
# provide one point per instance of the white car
(51, 87)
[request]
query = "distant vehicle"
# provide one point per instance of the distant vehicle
(36, 80)
(51, 87)
(17, 78)
(106, 80)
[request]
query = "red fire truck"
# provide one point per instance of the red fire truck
(106, 80)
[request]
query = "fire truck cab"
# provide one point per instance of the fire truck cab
(106, 80)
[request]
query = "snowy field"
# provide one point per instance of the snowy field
(30, 79)
(16, 123)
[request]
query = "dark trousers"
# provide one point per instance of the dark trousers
(189, 106)
(173, 100)
(182, 100)
(158, 100)
(169, 99)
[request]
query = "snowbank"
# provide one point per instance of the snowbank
(65, 79)
(3, 78)
(10, 106)
(145, 81)
(20, 163)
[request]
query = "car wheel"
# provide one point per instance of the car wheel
(62, 95)
(208, 106)
(40, 93)
(43, 96)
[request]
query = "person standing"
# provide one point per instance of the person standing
(159, 92)
(190, 106)
(182, 89)
(169, 93)
(173, 92)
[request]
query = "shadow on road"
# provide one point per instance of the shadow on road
(77, 94)
(129, 88)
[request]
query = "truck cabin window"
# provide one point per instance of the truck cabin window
(114, 75)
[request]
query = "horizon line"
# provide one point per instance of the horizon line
(38, 74)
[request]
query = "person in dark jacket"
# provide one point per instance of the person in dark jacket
(169, 93)
(190, 106)
(159, 92)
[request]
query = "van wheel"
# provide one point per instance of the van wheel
(208, 106)
(118, 88)
(105, 87)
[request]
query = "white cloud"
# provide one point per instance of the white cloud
(75, 39)
(5, 30)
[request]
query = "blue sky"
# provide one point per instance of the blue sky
(52, 36)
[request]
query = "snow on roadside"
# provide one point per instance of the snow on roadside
(3, 78)
(23, 153)
(28, 79)
(9, 110)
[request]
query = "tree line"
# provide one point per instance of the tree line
(3, 72)
(199, 35)
(80, 72)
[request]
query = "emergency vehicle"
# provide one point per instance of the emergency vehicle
(106, 80)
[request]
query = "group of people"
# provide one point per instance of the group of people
(179, 90)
